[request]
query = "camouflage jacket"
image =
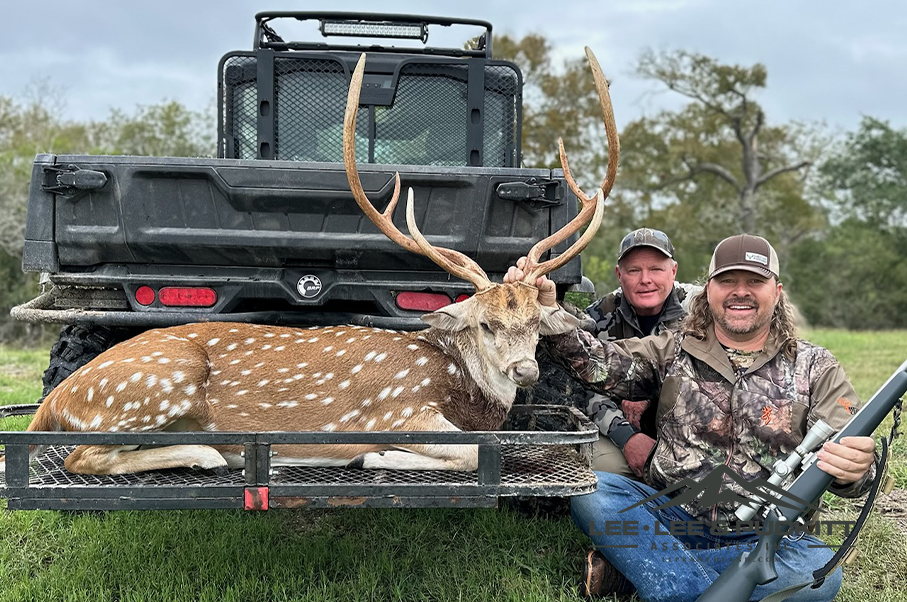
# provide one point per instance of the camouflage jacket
(616, 320)
(708, 414)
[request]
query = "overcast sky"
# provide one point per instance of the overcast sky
(831, 61)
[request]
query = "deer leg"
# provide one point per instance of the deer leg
(423, 457)
(120, 459)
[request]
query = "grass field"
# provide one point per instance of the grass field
(359, 554)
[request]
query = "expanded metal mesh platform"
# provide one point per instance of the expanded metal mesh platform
(512, 463)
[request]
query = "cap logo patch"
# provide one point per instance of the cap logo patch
(757, 257)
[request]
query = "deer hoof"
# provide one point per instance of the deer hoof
(357, 462)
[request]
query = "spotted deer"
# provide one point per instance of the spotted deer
(461, 373)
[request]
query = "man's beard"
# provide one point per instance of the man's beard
(740, 327)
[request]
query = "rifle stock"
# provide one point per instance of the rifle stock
(751, 569)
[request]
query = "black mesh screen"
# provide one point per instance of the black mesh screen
(427, 123)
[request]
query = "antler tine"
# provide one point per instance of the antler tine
(533, 269)
(452, 261)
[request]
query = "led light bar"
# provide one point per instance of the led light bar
(374, 29)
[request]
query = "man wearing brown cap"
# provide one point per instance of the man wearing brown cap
(735, 391)
(648, 302)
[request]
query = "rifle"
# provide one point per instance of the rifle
(757, 567)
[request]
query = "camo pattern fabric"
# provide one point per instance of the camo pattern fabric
(710, 414)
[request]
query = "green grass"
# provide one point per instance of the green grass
(364, 554)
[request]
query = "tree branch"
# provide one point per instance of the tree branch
(779, 171)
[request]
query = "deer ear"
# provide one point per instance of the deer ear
(557, 320)
(450, 317)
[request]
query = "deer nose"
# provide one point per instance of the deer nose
(523, 372)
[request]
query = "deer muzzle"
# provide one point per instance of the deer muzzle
(523, 372)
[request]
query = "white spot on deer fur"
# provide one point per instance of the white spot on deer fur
(302, 364)
(72, 420)
(311, 396)
(287, 404)
(407, 412)
(397, 391)
(370, 424)
(351, 340)
(234, 330)
(259, 365)
(356, 369)
(192, 335)
(122, 386)
(95, 422)
(250, 352)
(380, 357)
(164, 405)
(421, 361)
(234, 362)
(313, 340)
(164, 360)
(452, 369)
(412, 347)
(269, 335)
(90, 393)
(249, 341)
(384, 392)
(397, 423)
(243, 392)
(282, 389)
(368, 336)
(298, 376)
(231, 406)
(264, 406)
(283, 370)
(341, 352)
(128, 360)
(327, 400)
(425, 382)
(109, 401)
(370, 355)
(179, 376)
(243, 414)
(225, 382)
(157, 353)
(366, 402)
(262, 383)
(416, 389)
(266, 347)
(74, 388)
(103, 383)
(136, 377)
(147, 358)
(146, 419)
(284, 336)
(215, 372)
(349, 416)
(160, 419)
(328, 348)
(329, 427)
(166, 385)
(433, 404)
(397, 338)
(246, 372)
(388, 415)
(232, 346)
(401, 374)
(344, 384)
(329, 376)
(105, 364)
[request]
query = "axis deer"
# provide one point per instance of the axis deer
(461, 373)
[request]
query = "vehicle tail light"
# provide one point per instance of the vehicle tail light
(422, 301)
(144, 295)
(172, 296)
(463, 297)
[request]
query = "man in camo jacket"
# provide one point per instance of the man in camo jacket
(735, 390)
(649, 301)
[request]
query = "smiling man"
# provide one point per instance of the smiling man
(735, 389)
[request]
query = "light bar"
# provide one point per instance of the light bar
(374, 29)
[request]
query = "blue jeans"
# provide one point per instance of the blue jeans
(681, 566)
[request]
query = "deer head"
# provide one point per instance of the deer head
(501, 323)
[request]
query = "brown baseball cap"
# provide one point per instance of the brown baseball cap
(646, 237)
(744, 252)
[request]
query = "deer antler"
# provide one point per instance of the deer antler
(451, 261)
(590, 212)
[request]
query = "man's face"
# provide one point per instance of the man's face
(646, 276)
(742, 302)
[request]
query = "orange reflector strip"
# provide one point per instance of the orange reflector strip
(187, 297)
(255, 498)
(422, 301)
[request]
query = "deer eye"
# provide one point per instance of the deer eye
(485, 327)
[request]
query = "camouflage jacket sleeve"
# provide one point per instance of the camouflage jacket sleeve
(835, 401)
(627, 369)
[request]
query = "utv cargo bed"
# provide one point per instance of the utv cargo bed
(541, 451)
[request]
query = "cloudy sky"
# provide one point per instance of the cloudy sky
(828, 61)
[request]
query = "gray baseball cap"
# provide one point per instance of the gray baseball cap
(646, 237)
(744, 252)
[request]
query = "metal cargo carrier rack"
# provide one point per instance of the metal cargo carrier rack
(542, 450)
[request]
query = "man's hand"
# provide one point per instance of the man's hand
(633, 411)
(849, 460)
(637, 451)
(547, 290)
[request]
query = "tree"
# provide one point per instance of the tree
(721, 135)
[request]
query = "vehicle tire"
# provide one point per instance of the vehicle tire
(79, 344)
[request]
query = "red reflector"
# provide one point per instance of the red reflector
(422, 301)
(187, 297)
(255, 498)
(145, 295)
(462, 298)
